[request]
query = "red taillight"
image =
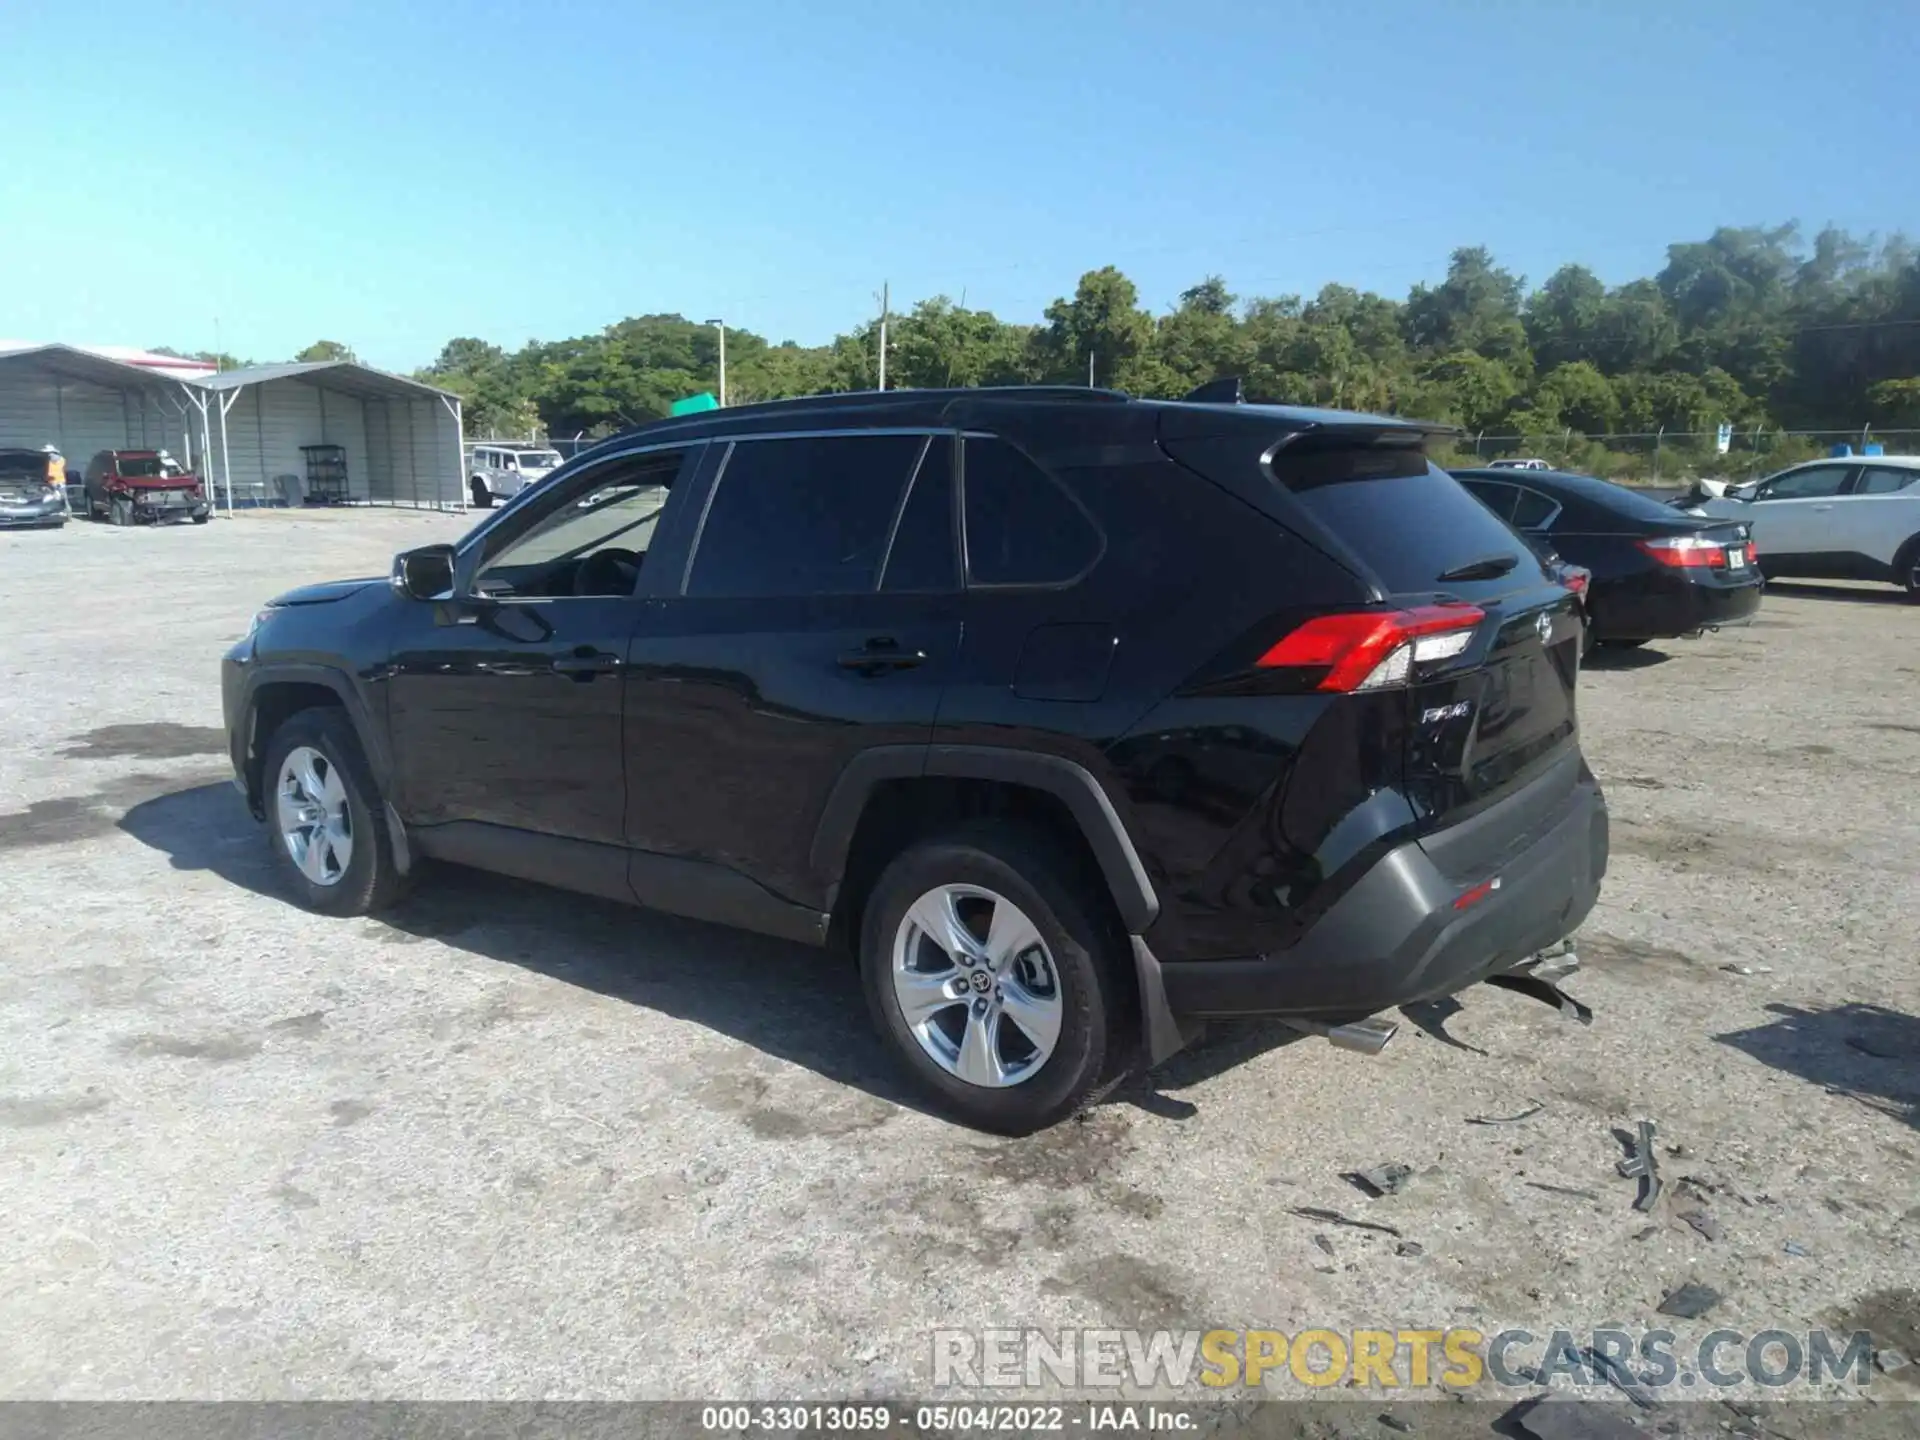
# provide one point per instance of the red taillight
(1368, 649)
(1687, 552)
(1576, 581)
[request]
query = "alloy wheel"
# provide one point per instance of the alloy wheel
(316, 823)
(977, 985)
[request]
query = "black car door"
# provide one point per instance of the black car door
(819, 616)
(504, 702)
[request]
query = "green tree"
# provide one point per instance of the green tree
(1103, 322)
(324, 350)
(1579, 397)
(1477, 308)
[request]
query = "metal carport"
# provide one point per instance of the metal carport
(82, 403)
(402, 438)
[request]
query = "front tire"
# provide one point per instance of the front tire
(325, 821)
(994, 972)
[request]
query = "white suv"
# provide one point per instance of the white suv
(498, 472)
(1853, 517)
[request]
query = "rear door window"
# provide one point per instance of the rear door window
(923, 557)
(1883, 480)
(1407, 520)
(803, 516)
(1023, 528)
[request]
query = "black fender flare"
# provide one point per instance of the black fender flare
(373, 740)
(1905, 558)
(1070, 783)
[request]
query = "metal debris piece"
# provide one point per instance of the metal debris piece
(1561, 1190)
(1546, 992)
(1641, 1165)
(1555, 1417)
(1748, 969)
(1708, 1227)
(1648, 1233)
(1409, 1247)
(1795, 1248)
(1394, 1422)
(1617, 1375)
(1888, 1361)
(1334, 1217)
(1381, 1180)
(1324, 1243)
(1690, 1301)
(1526, 1114)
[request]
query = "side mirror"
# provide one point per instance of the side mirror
(424, 574)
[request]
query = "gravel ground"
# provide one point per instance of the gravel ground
(510, 1143)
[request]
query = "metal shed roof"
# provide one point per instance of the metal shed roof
(74, 364)
(345, 376)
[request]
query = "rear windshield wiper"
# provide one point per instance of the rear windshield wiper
(1487, 567)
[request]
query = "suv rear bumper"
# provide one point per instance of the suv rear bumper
(1399, 934)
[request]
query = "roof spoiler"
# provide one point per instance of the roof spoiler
(1224, 391)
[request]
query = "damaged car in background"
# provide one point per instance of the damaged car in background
(129, 487)
(30, 496)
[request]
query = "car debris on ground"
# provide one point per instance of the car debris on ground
(1690, 1301)
(1526, 1114)
(1641, 1165)
(1382, 1180)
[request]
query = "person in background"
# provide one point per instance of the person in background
(57, 474)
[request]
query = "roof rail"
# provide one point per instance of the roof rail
(1224, 391)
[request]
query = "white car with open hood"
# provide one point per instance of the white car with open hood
(1849, 517)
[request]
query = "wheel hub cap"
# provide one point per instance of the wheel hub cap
(977, 985)
(316, 823)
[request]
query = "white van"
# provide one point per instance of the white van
(497, 471)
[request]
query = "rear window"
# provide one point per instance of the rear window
(1408, 521)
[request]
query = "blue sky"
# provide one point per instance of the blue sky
(392, 174)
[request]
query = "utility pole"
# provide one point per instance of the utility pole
(1090, 369)
(883, 334)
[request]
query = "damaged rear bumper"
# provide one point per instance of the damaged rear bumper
(1408, 931)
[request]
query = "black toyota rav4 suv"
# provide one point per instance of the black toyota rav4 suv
(1080, 719)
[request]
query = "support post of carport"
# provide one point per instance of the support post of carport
(459, 449)
(226, 452)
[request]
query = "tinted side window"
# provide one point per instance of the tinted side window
(923, 555)
(1811, 484)
(802, 517)
(1884, 480)
(1532, 509)
(1022, 527)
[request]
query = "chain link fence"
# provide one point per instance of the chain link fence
(1667, 457)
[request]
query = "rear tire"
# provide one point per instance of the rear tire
(323, 747)
(1907, 569)
(1064, 974)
